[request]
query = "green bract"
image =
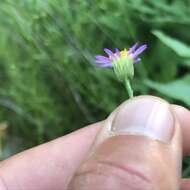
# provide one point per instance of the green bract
(123, 68)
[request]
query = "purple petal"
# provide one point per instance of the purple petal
(117, 52)
(102, 61)
(109, 52)
(103, 65)
(139, 51)
(132, 49)
(102, 58)
(137, 60)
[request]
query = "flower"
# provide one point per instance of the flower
(132, 53)
(122, 63)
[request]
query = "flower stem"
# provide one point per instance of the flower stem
(129, 89)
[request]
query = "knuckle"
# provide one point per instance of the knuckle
(110, 176)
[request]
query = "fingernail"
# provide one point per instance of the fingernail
(147, 116)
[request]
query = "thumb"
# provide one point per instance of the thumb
(138, 148)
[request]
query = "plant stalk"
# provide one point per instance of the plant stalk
(129, 88)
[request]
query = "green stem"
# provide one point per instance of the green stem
(129, 89)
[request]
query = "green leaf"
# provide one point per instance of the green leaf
(178, 89)
(186, 63)
(177, 46)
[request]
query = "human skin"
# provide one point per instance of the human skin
(91, 158)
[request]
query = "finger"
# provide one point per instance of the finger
(183, 116)
(139, 147)
(49, 166)
(185, 184)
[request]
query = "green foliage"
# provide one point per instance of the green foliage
(179, 47)
(178, 89)
(49, 85)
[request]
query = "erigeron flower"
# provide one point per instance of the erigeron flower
(122, 62)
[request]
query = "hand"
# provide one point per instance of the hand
(138, 147)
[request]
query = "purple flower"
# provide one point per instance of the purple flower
(132, 53)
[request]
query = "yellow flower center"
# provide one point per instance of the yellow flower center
(124, 53)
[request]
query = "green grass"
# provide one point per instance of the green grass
(48, 83)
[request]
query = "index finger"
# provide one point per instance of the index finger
(48, 166)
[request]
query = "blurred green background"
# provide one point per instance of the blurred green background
(49, 85)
